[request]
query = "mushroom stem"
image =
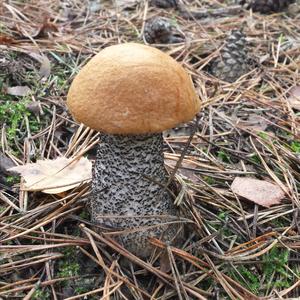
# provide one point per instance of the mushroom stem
(128, 190)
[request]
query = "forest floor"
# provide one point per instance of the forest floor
(238, 245)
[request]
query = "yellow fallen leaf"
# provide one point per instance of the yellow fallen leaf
(55, 176)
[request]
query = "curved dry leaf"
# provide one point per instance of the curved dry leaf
(20, 90)
(254, 122)
(7, 40)
(45, 28)
(294, 98)
(55, 176)
(186, 169)
(5, 163)
(45, 68)
(258, 191)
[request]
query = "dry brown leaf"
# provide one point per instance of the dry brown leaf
(7, 40)
(18, 90)
(258, 191)
(5, 164)
(46, 28)
(294, 98)
(55, 176)
(185, 170)
(263, 58)
(254, 122)
(34, 107)
(45, 68)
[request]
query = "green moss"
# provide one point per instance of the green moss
(275, 261)
(255, 159)
(295, 146)
(12, 179)
(84, 215)
(223, 156)
(274, 268)
(68, 266)
(209, 180)
(223, 215)
(247, 278)
(12, 114)
(68, 269)
(263, 135)
(41, 294)
(280, 222)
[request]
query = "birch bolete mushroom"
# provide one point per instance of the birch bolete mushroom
(130, 93)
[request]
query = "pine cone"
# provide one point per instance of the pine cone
(266, 6)
(165, 3)
(232, 62)
(159, 30)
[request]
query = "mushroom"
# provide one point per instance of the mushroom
(130, 93)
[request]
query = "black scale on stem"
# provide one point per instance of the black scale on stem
(124, 168)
